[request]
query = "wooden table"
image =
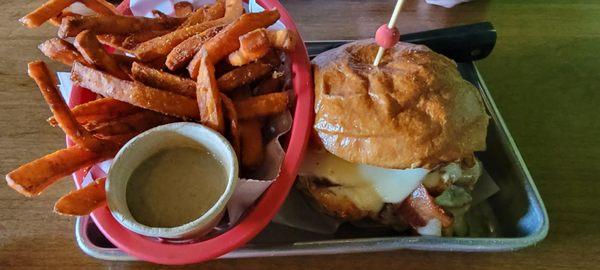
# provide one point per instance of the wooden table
(543, 74)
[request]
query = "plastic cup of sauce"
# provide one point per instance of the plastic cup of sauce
(172, 181)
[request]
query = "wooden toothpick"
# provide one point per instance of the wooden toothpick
(391, 24)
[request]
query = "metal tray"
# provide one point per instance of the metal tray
(520, 213)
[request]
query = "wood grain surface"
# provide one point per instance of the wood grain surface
(543, 74)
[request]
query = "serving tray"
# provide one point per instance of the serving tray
(521, 218)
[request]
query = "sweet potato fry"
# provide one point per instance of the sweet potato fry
(83, 201)
(115, 41)
(251, 143)
(272, 59)
(184, 9)
(226, 41)
(270, 84)
(185, 51)
(55, 20)
(114, 24)
(283, 39)
(61, 51)
(119, 42)
(194, 64)
(260, 106)
(253, 46)
(203, 14)
(100, 6)
(186, 87)
(102, 109)
(92, 121)
(161, 46)
(160, 14)
(50, 9)
(107, 105)
(134, 39)
(123, 60)
(44, 79)
(93, 52)
(119, 139)
(234, 126)
(420, 207)
(243, 75)
(233, 10)
(238, 58)
(208, 96)
(58, 19)
(128, 43)
(222, 68)
(32, 178)
(134, 93)
(158, 63)
(163, 80)
(137, 122)
(241, 93)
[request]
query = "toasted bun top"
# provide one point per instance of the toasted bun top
(413, 110)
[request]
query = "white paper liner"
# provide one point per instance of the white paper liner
(145, 7)
(65, 84)
(484, 188)
(248, 190)
(446, 3)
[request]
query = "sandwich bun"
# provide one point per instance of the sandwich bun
(413, 110)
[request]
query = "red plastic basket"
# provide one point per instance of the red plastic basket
(266, 206)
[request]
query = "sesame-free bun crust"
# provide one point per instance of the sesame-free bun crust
(413, 110)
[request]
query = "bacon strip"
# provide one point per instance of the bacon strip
(419, 208)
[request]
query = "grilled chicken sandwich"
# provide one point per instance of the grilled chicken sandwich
(395, 143)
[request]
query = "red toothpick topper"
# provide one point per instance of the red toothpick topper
(387, 35)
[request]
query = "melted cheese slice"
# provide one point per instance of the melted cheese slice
(368, 187)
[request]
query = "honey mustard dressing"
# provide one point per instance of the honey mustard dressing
(175, 186)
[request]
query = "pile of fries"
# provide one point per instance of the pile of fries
(214, 65)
